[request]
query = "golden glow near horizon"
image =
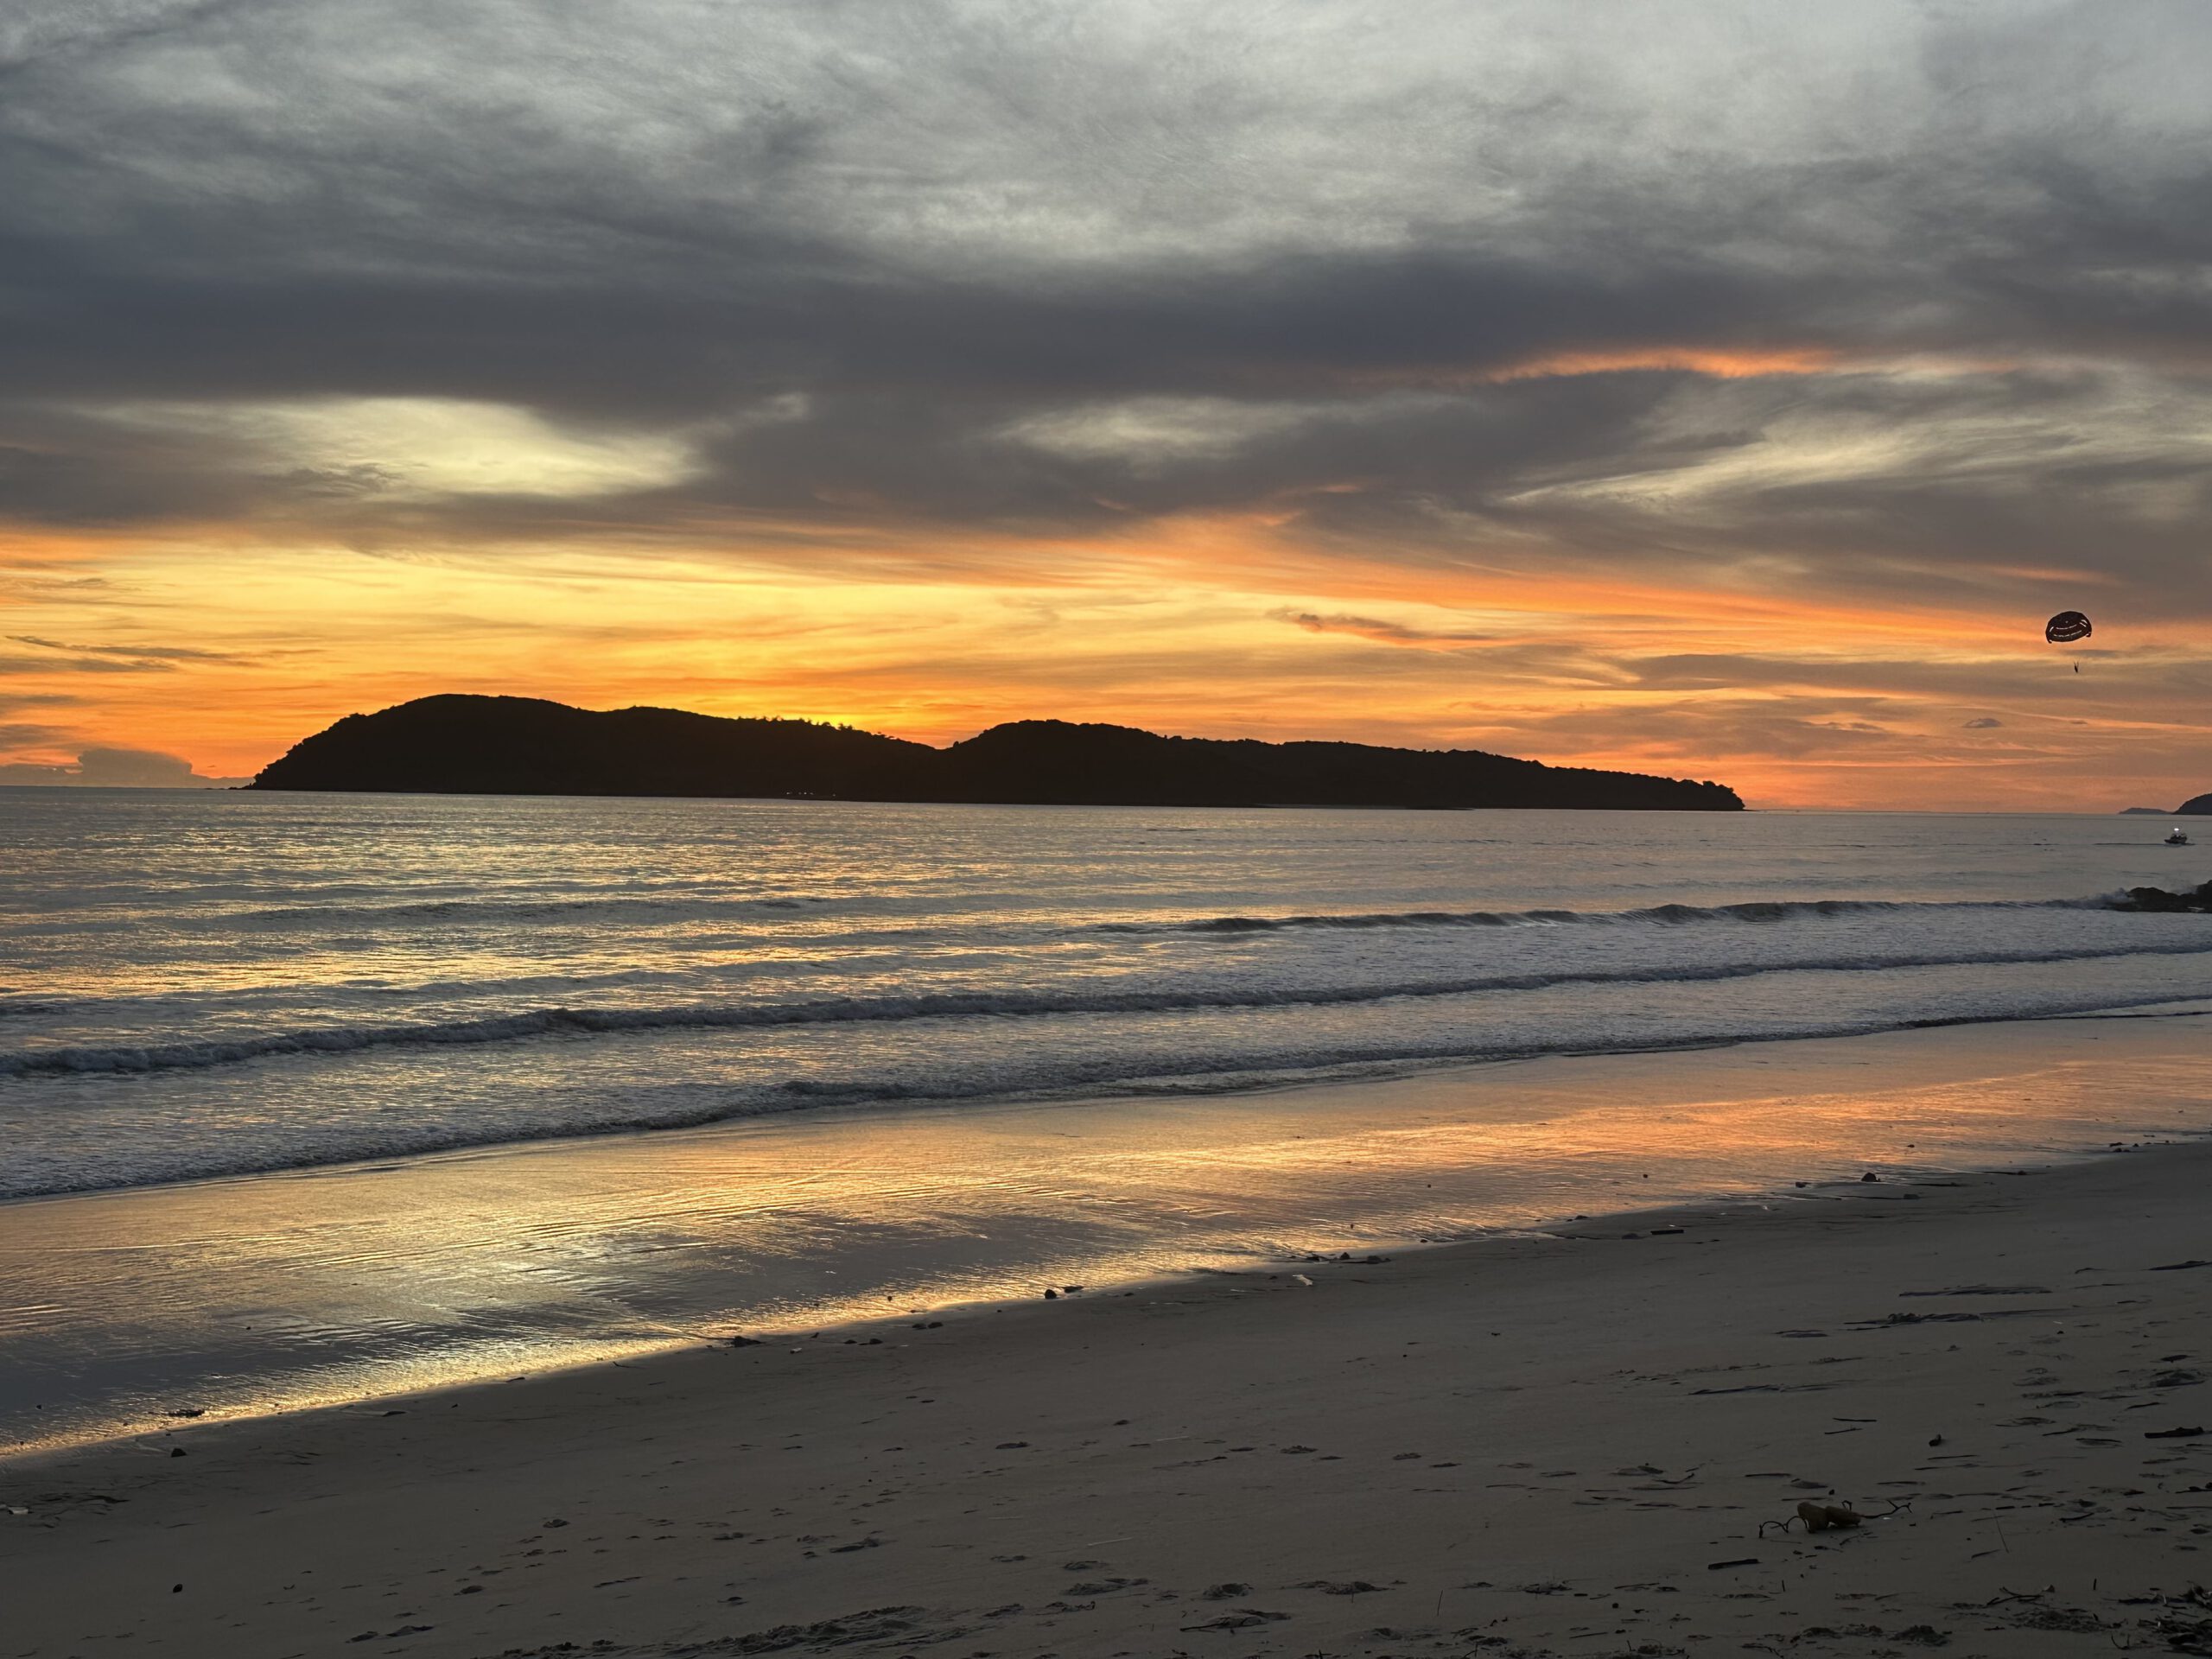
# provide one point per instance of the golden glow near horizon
(1222, 626)
(1684, 395)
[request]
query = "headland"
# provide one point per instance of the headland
(524, 746)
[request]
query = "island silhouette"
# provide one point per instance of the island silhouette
(462, 744)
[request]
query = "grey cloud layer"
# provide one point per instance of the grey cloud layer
(1018, 265)
(108, 768)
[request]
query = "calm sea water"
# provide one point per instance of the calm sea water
(912, 1058)
(201, 984)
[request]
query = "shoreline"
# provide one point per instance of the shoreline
(1193, 1086)
(1544, 1440)
(559, 1258)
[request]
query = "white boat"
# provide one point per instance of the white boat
(2179, 838)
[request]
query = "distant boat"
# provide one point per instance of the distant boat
(2178, 838)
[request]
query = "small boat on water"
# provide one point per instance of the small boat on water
(2178, 838)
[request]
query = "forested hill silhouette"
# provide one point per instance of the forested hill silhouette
(523, 745)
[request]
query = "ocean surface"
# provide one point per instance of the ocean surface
(207, 984)
(319, 1099)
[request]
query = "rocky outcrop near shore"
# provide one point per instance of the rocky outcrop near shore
(2164, 902)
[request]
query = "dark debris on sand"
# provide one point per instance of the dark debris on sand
(847, 1630)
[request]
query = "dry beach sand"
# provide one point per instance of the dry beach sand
(1569, 1446)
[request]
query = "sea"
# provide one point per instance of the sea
(310, 1098)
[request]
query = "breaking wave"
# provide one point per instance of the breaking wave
(526, 1023)
(1666, 915)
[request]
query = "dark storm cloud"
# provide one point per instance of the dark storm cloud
(998, 458)
(980, 264)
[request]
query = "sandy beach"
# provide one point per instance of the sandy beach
(1191, 831)
(1577, 1444)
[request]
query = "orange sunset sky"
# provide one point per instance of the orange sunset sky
(1665, 395)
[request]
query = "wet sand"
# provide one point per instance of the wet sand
(1577, 1444)
(339, 1286)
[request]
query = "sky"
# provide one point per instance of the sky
(1724, 391)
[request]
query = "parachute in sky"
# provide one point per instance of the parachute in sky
(2066, 627)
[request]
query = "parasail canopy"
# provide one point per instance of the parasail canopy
(2066, 627)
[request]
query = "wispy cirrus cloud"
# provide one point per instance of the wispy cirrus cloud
(150, 654)
(1382, 632)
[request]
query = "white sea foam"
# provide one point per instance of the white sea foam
(526, 1023)
(1669, 915)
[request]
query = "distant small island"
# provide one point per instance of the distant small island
(457, 743)
(2197, 806)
